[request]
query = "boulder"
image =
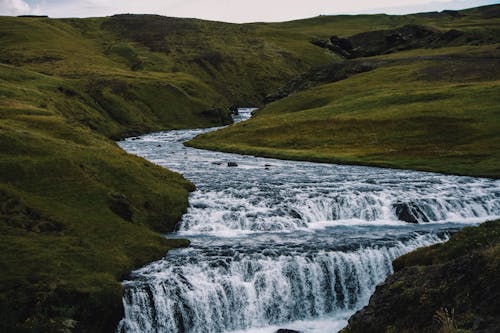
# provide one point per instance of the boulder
(284, 330)
(234, 110)
(232, 164)
(409, 212)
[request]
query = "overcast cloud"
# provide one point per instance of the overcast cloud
(229, 10)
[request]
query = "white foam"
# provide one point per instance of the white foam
(328, 324)
(270, 248)
(222, 290)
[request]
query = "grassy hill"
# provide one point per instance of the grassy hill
(77, 213)
(425, 102)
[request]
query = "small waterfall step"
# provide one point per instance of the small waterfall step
(286, 244)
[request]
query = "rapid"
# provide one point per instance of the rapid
(286, 244)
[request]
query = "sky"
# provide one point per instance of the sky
(238, 11)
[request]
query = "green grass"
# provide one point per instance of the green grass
(428, 114)
(77, 213)
(425, 109)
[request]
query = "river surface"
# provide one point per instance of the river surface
(285, 244)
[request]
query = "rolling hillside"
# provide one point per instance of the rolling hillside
(77, 213)
(418, 96)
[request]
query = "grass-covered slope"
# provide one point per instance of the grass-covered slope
(452, 287)
(99, 88)
(421, 108)
(76, 212)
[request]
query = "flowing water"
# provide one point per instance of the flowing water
(283, 244)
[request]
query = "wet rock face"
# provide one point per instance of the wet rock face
(409, 212)
(283, 330)
(234, 110)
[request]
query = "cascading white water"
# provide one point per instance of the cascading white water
(289, 206)
(222, 289)
(288, 243)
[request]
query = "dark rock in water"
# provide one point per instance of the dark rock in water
(201, 205)
(284, 330)
(232, 164)
(158, 146)
(136, 138)
(268, 165)
(295, 214)
(217, 163)
(217, 114)
(409, 212)
(234, 110)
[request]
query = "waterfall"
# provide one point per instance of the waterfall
(249, 210)
(284, 242)
(228, 290)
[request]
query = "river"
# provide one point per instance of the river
(286, 244)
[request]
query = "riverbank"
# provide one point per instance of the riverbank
(77, 214)
(430, 114)
(450, 287)
(422, 96)
(286, 244)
